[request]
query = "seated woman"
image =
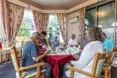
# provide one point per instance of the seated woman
(31, 55)
(108, 43)
(56, 42)
(85, 62)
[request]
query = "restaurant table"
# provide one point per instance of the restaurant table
(0, 45)
(57, 60)
(6, 53)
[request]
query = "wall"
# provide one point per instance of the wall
(73, 27)
(89, 2)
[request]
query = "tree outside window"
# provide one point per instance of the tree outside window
(26, 27)
(53, 27)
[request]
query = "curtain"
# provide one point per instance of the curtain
(2, 34)
(12, 16)
(40, 21)
(63, 25)
(37, 21)
(81, 23)
(45, 18)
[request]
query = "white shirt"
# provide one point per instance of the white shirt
(73, 42)
(86, 60)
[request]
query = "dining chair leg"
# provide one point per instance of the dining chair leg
(106, 73)
(72, 74)
(38, 72)
(19, 75)
(43, 75)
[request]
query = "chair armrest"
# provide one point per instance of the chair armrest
(31, 66)
(79, 71)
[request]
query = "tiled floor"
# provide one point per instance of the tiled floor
(7, 70)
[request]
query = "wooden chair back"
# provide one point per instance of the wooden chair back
(109, 60)
(15, 59)
(111, 56)
(98, 63)
(19, 69)
(19, 44)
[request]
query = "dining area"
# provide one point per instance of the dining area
(56, 58)
(54, 61)
(58, 39)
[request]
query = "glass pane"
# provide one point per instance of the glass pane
(28, 16)
(86, 21)
(90, 18)
(109, 32)
(27, 22)
(106, 15)
(26, 25)
(26, 28)
(53, 27)
(25, 33)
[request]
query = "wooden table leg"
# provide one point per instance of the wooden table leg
(5, 58)
(9, 57)
(43, 75)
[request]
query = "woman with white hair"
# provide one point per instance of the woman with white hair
(95, 36)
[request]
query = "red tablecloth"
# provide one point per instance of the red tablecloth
(0, 45)
(57, 60)
(42, 50)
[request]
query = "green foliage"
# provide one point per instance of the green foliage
(23, 32)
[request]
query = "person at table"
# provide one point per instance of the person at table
(73, 41)
(85, 62)
(51, 37)
(84, 42)
(56, 42)
(31, 55)
(43, 40)
(108, 43)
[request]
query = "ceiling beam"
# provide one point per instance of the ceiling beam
(18, 2)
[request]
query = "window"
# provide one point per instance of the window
(26, 28)
(106, 15)
(90, 19)
(53, 28)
